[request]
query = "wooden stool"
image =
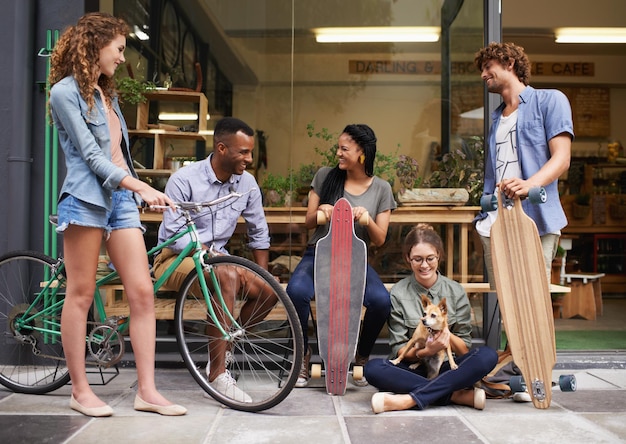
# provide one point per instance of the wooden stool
(585, 299)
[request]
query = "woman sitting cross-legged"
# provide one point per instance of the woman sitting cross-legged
(404, 388)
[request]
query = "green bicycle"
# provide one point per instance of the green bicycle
(221, 300)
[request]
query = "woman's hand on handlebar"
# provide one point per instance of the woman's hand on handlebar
(157, 200)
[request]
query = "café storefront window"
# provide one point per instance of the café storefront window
(275, 65)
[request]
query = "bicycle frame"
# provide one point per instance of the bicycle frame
(199, 253)
(263, 353)
(53, 303)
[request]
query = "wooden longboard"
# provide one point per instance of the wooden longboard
(340, 271)
(524, 297)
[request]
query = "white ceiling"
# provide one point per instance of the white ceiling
(237, 30)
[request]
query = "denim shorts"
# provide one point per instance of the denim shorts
(124, 213)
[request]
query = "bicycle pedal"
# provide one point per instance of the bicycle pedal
(117, 320)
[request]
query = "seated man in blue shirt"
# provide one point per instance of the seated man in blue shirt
(222, 171)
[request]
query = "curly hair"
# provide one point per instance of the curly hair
(504, 53)
(363, 135)
(78, 50)
(422, 234)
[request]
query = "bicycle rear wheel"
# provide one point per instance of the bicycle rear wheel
(31, 354)
(264, 356)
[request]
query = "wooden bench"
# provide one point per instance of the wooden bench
(116, 304)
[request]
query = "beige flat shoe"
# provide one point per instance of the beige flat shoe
(378, 402)
(96, 412)
(165, 410)
(480, 399)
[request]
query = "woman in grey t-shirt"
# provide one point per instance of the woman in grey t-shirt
(353, 178)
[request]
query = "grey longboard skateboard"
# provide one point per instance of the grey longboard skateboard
(340, 271)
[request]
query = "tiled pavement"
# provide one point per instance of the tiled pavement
(596, 413)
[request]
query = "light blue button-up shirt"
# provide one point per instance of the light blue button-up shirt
(84, 136)
(541, 115)
(198, 183)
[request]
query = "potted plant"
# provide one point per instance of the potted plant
(275, 188)
(132, 91)
(460, 176)
(302, 178)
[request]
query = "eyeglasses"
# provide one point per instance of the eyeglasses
(429, 260)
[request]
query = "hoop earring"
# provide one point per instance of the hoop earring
(362, 159)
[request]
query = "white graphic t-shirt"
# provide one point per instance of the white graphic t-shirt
(507, 163)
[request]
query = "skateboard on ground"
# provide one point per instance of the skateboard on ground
(567, 383)
(523, 292)
(340, 271)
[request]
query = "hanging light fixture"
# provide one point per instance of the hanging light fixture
(377, 34)
(590, 35)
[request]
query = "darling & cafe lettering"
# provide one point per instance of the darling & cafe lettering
(411, 67)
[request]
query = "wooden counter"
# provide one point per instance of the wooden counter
(450, 216)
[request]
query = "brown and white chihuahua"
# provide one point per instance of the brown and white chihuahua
(434, 320)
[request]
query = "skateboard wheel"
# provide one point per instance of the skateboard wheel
(517, 384)
(488, 202)
(567, 383)
(537, 195)
(316, 371)
(357, 372)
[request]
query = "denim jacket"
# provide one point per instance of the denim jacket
(542, 114)
(85, 138)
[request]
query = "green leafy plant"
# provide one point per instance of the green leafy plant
(303, 176)
(328, 150)
(407, 171)
(275, 188)
(457, 171)
(384, 166)
(132, 91)
(276, 182)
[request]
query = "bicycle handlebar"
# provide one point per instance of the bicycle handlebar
(197, 206)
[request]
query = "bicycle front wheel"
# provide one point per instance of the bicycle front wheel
(264, 351)
(31, 354)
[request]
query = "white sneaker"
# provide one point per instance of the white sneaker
(522, 397)
(360, 382)
(227, 386)
(228, 361)
(303, 376)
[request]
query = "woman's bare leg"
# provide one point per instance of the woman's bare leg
(81, 246)
(127, 251)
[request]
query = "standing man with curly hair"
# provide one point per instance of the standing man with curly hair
(529, 144)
